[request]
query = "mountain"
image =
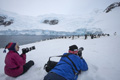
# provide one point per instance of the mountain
(108, 22)
(51, 24)
(81, 31)
(57, 24)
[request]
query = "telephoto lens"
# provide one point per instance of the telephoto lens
(81, 49)
(32, 48)
(25, 50)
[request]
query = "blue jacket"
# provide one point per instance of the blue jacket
(65, 70)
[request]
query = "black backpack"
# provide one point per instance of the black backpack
(51, 64)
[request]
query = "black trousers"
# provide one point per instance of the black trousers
(27, 66)
(53, 76)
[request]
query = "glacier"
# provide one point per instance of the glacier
(97, 22)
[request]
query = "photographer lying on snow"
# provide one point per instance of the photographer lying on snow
(69, 66)
(15, 64)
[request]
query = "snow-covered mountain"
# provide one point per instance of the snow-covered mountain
(57, 24)
(67, 25)
(81, 31)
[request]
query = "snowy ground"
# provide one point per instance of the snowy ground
(101, 54)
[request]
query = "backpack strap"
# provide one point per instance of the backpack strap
(60, 56)
(72, 63)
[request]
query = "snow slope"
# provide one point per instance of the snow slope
(102, 55)
(108, 22)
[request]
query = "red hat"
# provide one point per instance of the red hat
(73, 49)
(10, 46)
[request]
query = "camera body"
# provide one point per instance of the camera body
(80, 51)
(25, 50)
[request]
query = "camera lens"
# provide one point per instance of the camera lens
(30, 48)
(25, 50)
(33, 47)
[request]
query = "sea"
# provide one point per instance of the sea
(23, 39)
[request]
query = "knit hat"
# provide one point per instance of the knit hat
(10, 46)
(73, 49)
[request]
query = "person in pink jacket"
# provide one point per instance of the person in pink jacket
(15, 64)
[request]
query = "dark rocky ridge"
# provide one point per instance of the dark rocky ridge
(112, 6)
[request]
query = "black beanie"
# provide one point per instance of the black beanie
(73, 47)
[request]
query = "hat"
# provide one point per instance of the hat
(10, 46)
(73, 49)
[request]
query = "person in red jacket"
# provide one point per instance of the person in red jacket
(15, 64)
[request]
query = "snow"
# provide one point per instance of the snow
(108, 22)
(101, 54)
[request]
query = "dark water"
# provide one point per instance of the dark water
(22, 39)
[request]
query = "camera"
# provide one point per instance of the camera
(25, 50)
(80, 51)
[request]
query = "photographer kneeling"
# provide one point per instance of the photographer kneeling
(15, 64)
(69, 65)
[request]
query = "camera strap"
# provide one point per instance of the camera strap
(60, 56)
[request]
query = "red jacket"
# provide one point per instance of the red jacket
(14, 63)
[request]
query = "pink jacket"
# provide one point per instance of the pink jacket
(14, 63)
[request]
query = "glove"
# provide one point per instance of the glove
(25, 50)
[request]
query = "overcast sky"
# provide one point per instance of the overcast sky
(40, 7)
